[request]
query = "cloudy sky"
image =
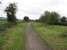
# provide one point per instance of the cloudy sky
(34, 8)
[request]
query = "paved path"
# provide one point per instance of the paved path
(33, 42)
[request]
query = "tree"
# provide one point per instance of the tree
(53, 18)
(26, 18)
(44, 17)
(11, 11)
(50, 17)
(63, 19)
(41, 18)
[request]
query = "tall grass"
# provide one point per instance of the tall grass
(52, 35)
(2, 32)
(15, 38)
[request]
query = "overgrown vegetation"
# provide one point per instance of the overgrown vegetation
(3, 28)
(54, 35)
(12, 34)
(15, 38)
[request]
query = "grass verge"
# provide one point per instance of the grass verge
(15, 38)
(52, 35)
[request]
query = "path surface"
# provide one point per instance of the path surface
(33, 42)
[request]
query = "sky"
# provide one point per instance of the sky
(34, 8)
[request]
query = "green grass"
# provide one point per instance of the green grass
(3, 22)
(15, 38)
(52, 35)
(2, 40)
(2, 33)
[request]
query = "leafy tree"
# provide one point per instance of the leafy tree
(44, 17)
(63, 19)
(11, 11)
(50, 17)
(41, 18)
(53, 18)
(26, 18)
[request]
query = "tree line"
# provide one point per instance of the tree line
(53, 18)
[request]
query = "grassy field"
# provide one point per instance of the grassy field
(14, 38)
(53, 35)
